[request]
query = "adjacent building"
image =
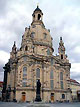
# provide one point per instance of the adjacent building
(33, 61)
(75, 89)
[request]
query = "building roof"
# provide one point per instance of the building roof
(38, 10)
(74, 81)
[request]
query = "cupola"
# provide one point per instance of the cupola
(37, 15)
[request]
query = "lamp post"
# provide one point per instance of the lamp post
(8, 91)
(14, 91)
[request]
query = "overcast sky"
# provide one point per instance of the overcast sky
(62, 17)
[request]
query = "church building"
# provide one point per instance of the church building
(33, 61)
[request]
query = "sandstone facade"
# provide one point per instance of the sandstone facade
(35, 60)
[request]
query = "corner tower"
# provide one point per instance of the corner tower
(61, 49)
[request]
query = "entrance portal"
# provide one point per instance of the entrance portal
(23, 96)
(78, 95)
(52, 97)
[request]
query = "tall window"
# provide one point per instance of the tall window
(51, 74)
(51, 80)
(37, 74)
(61, 79)
(61, 75)
(61, 84)
(61, 56)
(26, 48)
(24, 81)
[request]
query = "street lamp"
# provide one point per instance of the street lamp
(8, 91)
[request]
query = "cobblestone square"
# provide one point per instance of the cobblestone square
(12, 104)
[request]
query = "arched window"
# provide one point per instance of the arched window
(26, 48)
(61, 56)
(37, 73)
(39, 17)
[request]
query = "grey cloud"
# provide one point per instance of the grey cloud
(14, 31)
(1, 66)
(75, 56)
(3, 7)
(1, 76)
(75, 76)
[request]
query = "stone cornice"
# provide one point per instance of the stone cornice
(43, 44)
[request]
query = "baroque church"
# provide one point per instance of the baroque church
(33, 61)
